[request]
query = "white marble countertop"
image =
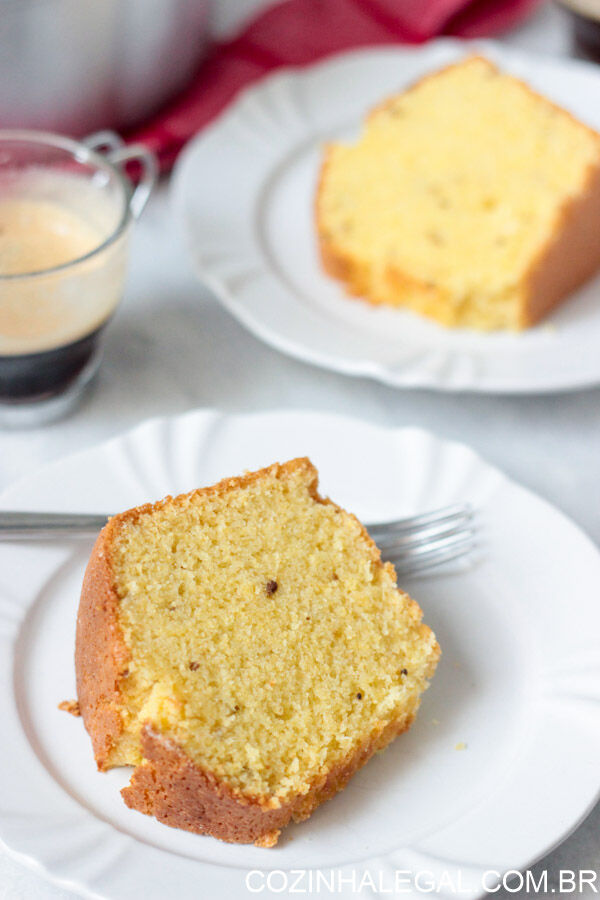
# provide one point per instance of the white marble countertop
(173, 348)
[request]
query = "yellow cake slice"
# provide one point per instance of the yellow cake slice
(244, 647)
(468, 198)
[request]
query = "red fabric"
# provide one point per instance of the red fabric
(298, 32)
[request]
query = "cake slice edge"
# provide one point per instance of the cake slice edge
(167, 783)
(566, 261)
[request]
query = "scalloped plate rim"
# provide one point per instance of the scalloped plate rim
(207, 416)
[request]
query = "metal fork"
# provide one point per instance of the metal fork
(420, 543)
(414, 545)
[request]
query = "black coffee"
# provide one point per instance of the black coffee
(38, 376)
(587, 36)
(585, 18)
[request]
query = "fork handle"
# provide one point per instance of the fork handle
(41, 525)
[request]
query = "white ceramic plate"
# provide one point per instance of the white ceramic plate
(518, 683)
(244, 190)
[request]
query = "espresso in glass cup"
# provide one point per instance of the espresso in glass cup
(66, 211)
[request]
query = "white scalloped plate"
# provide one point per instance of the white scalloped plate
(244, 191)
(519, 679)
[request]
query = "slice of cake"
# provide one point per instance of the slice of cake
(468, 198)
(244, 647)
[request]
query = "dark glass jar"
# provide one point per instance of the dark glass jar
(585, 19)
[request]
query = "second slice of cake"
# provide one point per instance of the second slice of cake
(244, 647)
(468, 198)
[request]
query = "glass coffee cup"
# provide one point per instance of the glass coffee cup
(66, 212)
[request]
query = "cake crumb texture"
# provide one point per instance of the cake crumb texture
(467, 198)
(258, 653)
(70, 706)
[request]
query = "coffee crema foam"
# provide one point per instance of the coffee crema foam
(38, 234)
(44, 307)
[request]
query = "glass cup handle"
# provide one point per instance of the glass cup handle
(103, 141)
(119, 154)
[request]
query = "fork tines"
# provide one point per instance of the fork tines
(425, 541)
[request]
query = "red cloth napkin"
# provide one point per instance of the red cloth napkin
(298, 32)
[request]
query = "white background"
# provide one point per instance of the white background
(172, 348)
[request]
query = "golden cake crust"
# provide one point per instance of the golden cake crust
(178, 792)
(564, 262)
(570, 257)
(168, 784)
(101, 655)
